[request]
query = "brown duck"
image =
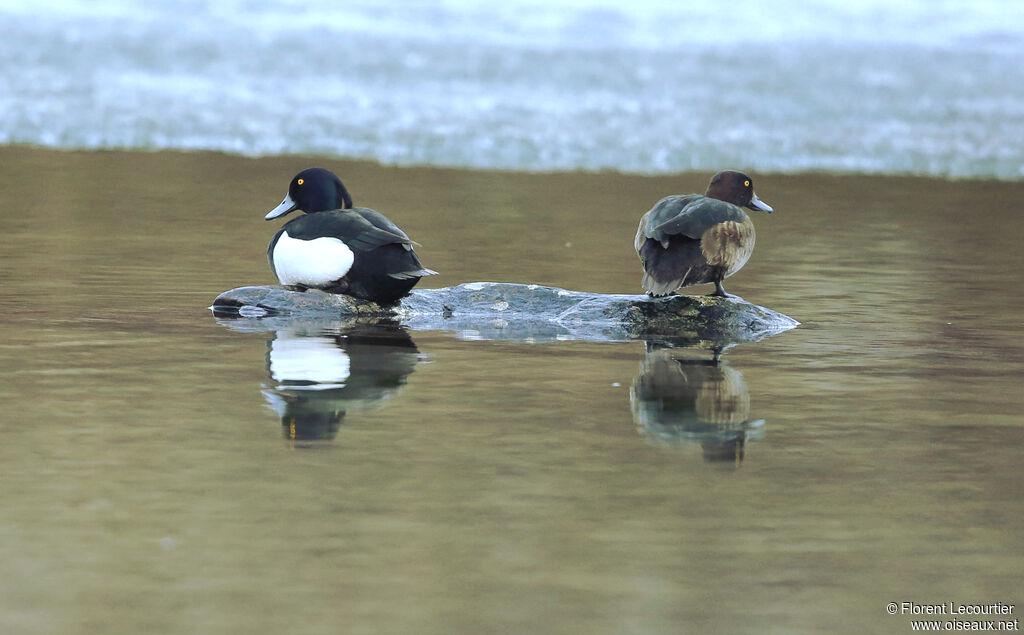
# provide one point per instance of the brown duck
(692, 239)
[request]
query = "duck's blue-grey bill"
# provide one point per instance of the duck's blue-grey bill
(286, 206)
(755, 203)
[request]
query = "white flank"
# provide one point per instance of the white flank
(311, 263)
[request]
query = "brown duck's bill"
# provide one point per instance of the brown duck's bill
(755, 203)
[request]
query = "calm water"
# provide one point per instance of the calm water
(167, 472)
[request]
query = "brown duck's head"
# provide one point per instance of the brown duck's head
(736, 188)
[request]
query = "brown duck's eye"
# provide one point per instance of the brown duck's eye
(301, 181)
(745, 183)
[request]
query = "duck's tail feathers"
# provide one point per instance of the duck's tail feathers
(409, 275)
(660, 288)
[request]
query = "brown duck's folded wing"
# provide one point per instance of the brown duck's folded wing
(664, 210)
(698, 216)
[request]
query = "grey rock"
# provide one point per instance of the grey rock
(508, 311)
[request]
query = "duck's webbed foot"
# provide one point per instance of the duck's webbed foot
(719, 290)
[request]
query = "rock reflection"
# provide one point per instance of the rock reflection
(317, 377)
(687, 395)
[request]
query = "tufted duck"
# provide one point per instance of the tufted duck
(692, 239)
(339, 248)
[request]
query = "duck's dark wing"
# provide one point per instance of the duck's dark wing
(664, 210)
(380, 221)
(412, 268)
(700, 215)
(360, 228)
(689, 216)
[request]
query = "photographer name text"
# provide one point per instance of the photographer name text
(954, 608)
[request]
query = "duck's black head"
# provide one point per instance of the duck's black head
(736, 188)
(313, 190)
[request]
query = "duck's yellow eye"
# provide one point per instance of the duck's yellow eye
(745, 183)
(300, 182)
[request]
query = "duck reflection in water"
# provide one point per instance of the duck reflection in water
(680, 398)
(317, 377)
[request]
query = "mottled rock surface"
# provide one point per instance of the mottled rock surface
(494, 310)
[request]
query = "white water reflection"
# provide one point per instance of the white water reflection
(317, 377)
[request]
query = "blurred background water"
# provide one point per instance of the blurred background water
(934, 88)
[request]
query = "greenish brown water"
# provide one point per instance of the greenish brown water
(502, 486)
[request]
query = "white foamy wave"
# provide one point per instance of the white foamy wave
(921, 87)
